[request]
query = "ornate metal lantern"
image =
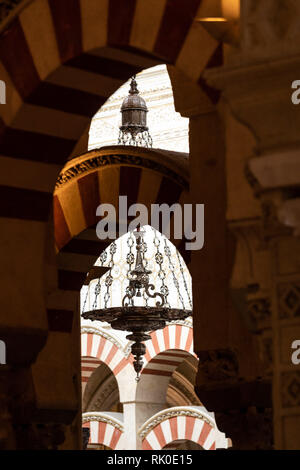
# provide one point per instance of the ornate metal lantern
(136, 315)
(134, 130)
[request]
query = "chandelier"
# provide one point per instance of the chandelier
(134, 130)
(142, 309)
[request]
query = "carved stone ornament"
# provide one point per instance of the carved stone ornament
(218, 365)
(101, 161)
(171, 414)
(97, 416)
(259, 312)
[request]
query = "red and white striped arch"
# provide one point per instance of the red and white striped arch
(164, 353)
(165, 363)
(166, 350)
(173, 336)
(106, 431)
(96, 348)
(181, 427)
(88, 367)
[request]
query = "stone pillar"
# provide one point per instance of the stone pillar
(135, 414)
(227, 381)
(148, 398)
(257, 86)
(141, 400)
(23, 325)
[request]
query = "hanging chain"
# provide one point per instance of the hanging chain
(172, 268)
(85, 300)
(97, 293)
(130, 261)
(144, 250)
(161, 273)
(130, 255)
(109, 278)
(145, 261)
(146, 298)
(103, 257)
(184, 280)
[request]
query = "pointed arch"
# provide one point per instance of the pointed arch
(104, 429)
(176, 336)
(56, 95)
(101, 347)
(190, 423)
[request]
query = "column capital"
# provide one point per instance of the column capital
(259, 96)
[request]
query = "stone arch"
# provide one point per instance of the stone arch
(100, 176)
(103, 348)
(181, 391)
(159, 371)
(182, 444)
(82, 250)
(166, 350)
(178, 335)
(92, 47)
(189, 423)
(55, 96)
(100, 390)
(104, 429)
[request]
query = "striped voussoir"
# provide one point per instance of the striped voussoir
(180, 427)
(92, 47)
(88, 366)
(96, 348)
(173, 337)
(164, 363)
(101, 176)
(103, 430)
(164, 352)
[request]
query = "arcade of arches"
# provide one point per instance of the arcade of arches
(231, 78)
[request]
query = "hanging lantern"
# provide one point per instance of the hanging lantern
(134, 130)
(142, 309)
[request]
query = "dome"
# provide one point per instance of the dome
(133, 100)
(134, 130)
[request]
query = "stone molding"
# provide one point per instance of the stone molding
(89, 162)
(276, 170)
(103, 418)
(172, 413)
(95, 331)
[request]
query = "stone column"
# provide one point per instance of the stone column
(141, 402)
(227, 381)
(23, 325)
(257, 86)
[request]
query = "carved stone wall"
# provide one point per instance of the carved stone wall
(286, 314)
(270, 28)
